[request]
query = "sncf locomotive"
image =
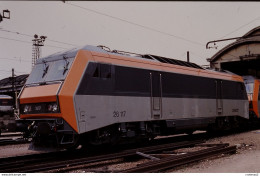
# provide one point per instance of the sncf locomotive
(253, 91)
(93, 96)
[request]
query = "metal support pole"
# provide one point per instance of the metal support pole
(38, 42)
(13, 93)
(13, 80)
(188, 56)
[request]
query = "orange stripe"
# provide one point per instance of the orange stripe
(69, 88)
(39, 94)
(33, 116)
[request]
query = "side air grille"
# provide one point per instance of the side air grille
(172, 61)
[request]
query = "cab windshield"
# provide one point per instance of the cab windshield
(50, 71)
(250, 88)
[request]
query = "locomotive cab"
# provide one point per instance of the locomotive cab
(40, 111)
(253, 93)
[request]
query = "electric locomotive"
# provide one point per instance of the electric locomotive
(253, 91)
(93, 96)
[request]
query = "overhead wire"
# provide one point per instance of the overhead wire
(12, 59)
(4, 30)
(8, 71)
(136, 24)
(15, 40)
(27, 42)
(198, 55)
(30, 42)
(5, 71)
(27, 35)
(255, 19)
(14, 71)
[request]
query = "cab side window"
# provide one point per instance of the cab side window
(102, 71)
(98, 79)
(105, 71)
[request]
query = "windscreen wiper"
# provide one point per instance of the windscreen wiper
(45, 70)
(66, 64)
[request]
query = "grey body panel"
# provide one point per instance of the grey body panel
(94, 111)
(178, 108)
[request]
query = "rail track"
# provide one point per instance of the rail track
(44, 163)
(173, 161)
(4, 134)
(65, 161)
(7, 138)
(11, 141)
(10, 163)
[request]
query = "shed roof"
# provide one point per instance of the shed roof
(248, 38)
(6, 83)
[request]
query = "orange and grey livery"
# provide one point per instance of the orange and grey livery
(94, 96)
(253, 92)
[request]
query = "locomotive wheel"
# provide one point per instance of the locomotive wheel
(109, 136)
(75, 145)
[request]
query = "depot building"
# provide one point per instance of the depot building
(241, 57)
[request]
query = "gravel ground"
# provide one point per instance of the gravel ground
(111, 166)
(15, 150)
(246, 160)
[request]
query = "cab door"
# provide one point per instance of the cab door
(219, 101)
(156, 95)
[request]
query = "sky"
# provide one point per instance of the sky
(168, 29)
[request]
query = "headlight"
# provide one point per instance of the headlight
(53, 107)
(27, 108)
(39, 108)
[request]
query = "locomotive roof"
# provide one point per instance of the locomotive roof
(69, 53)
(72, 53)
